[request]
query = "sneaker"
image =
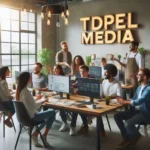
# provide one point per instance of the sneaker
(64, 127)
(35, 141)
(83, 130)
(72, 131)
(8, 123)
(90, 121)
(123, 144)
(45, 141)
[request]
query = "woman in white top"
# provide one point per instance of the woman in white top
(24, 95)
(5, 97)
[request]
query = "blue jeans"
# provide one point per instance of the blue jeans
(131, 117)
(47, 116)
(63, 116)
(8, 105)
(74, 119)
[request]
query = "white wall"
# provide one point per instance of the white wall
(72, 32)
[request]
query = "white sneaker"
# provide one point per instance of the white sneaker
(72, 131)
(35, 141)
(64, 127)
(45, 141)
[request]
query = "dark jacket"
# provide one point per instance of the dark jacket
(59, 57)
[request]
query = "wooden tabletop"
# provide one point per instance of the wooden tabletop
(95, 112)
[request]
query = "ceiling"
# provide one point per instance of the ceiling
(53, 2)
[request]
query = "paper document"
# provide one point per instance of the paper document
(40, 100)
(53, 100)
(91, 106)
(69, 103)
(114, 101)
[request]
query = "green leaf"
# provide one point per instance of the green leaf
(44, 57)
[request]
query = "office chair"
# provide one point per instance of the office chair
(25, 121)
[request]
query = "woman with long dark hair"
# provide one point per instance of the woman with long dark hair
(77, 62)
(24, 95)
(58, 71)
(5, 97)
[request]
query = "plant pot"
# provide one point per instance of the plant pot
(33, 92)
(107, 102)
(14, 86)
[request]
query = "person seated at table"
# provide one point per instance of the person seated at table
(110, 87)
(5, 97)
(139, 113)
(39, 80)
(48, 116)
(77, 62)
(84, 128)
(58, 70)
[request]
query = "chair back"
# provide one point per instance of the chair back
(2, 107)
(22, 114)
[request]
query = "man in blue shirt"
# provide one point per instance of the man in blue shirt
(139, 112)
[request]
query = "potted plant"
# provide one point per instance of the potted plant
(119, 57)
(44, 57)
(14, 86)
(107, 99)
(141, 50)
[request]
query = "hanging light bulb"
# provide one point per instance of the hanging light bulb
(48, 22)
(42, 15)
(24, 9)
(31, 10)
(62, 14)
(58, 23)
(67, 10)
(66, 20)
(49, 14)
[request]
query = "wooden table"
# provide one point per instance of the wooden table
(94, 112)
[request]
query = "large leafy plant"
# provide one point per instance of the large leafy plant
(44, 57)
(141, 50)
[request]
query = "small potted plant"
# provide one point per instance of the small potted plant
(33, 92)
(14, 86)
(119, 57)
(107, 100)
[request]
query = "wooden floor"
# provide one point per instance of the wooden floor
(62, 141)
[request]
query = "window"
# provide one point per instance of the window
(17, 39)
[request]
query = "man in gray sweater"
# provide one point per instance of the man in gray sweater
(64, 58)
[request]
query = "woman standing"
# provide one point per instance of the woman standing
(24, 95)
(5, 97)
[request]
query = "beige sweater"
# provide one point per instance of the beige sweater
(4, 91)
(29, 102)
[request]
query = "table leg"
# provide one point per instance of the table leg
(98, 146)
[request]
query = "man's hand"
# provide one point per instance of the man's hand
(120, 100)
(49, 69)
(133, 75)
(66, 64)
(39, 97)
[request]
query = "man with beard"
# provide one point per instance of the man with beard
(110, 87)
(39, 80)
(64, 58)
(136, 115)
(133, 64)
